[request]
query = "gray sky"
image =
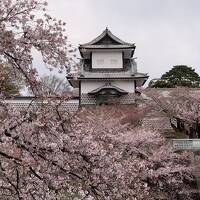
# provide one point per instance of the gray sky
(166, 32)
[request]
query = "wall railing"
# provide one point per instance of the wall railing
(184, 144)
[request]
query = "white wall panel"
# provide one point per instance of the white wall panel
(107, 60)
(88, 86)
(127, 85)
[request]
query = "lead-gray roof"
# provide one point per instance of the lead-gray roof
(119, 43)
(111, 75)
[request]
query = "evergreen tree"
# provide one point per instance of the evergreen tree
(179, 75)
(9, 85)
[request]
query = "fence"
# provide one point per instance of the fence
(183, 144)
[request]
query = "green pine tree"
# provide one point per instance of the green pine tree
(179, 75)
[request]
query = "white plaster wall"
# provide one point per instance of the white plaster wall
(88, 86)
(107, 60)
(127, 85)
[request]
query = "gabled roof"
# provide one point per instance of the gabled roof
(107, 36)
(108, 86)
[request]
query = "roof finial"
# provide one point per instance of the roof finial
(106, 28)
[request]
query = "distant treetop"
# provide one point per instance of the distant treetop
(179, 75)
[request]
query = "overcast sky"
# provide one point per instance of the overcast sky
(166, 32)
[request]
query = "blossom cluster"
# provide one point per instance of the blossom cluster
(91, 154)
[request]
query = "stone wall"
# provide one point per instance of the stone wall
(23, 104)
(126, 99)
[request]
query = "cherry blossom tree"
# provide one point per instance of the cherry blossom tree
(93, 155)
(25, 26)
(99, 153)
(181, 106)
(53, 85)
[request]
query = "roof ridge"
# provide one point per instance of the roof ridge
(111, 35)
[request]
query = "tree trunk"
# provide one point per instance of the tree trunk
(173, 125)
(191, 132)
(198, 128)
(180, 125)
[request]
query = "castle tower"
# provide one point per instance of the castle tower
(108, 71)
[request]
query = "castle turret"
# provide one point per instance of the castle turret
(108, 71)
